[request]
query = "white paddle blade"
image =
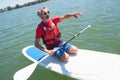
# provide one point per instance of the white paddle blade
(25, 73)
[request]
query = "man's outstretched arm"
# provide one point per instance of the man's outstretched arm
(70, 15)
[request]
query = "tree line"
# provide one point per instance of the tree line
(19, 6)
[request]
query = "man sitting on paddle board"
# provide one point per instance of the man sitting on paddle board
(48, 31)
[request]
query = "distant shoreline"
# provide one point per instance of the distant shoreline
(8, 8)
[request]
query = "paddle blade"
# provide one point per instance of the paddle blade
(25, 73)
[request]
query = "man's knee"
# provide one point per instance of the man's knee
(65, 57)
(73, 50)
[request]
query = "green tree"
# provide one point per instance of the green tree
(9, 8)
(17, 6)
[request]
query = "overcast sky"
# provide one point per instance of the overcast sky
(5, 3)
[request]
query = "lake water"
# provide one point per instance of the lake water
(17, 30)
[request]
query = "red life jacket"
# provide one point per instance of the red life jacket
(51, 34)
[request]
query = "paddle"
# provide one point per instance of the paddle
(23, 73)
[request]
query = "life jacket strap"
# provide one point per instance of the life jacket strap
(53, 39)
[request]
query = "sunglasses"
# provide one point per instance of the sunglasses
(45, 13)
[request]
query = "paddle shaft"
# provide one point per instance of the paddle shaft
(77, 34)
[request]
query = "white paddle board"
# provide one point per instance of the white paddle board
(85, 65)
